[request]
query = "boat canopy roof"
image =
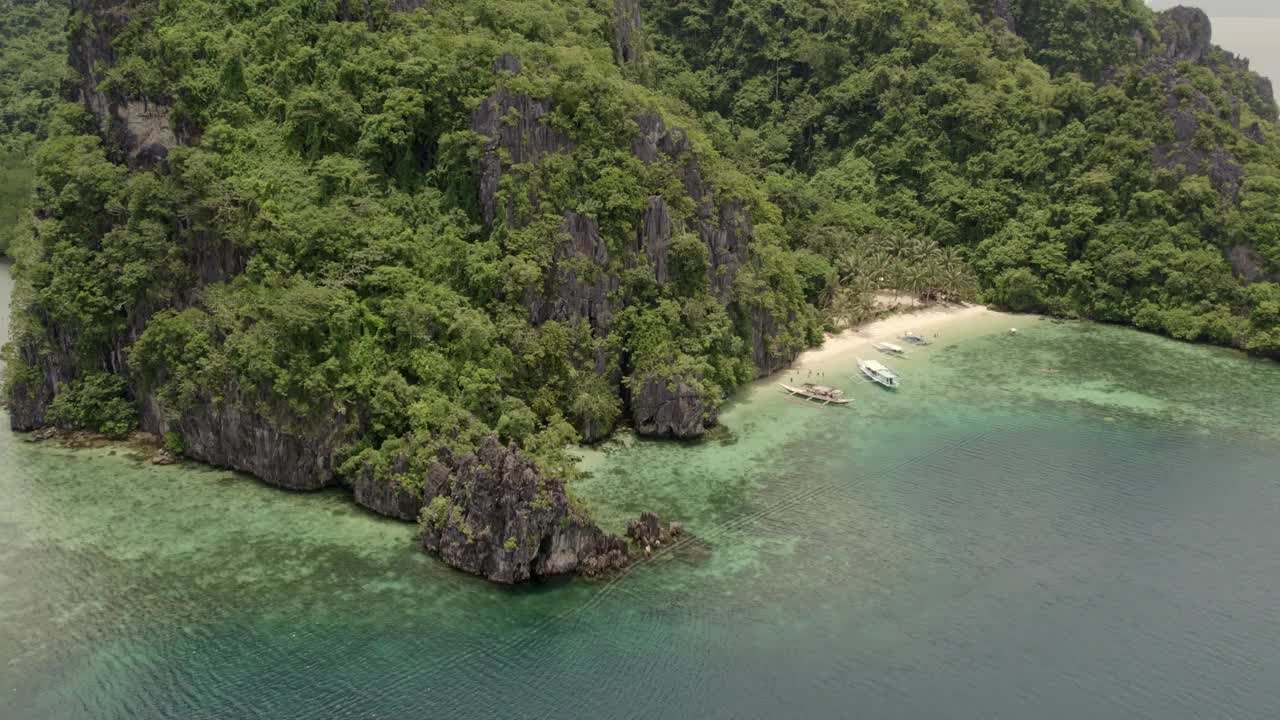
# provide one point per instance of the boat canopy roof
(891, 346)
(878, 368)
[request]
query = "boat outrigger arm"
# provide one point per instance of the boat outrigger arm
(817, 393)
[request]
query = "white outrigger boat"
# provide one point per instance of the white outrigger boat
(915, 339)
(891, 349)
(817, 393)
(879, 373)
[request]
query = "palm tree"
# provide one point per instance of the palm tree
(950, 259)
(915, 278)
(924, 250)
(897, 245)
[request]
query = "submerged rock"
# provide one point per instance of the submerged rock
(493, 513)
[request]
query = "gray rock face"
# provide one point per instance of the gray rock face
(723, 225)
(670, 407)
(52, 365)
(1248, 264)
(628, 32)
(349, 10)
(227, 435)
(653, 237)
(387, 497)
(1262, 86)
(1187, 33)
(493, 513)
(764, 327)
(582, 279)
(526, 140)
(579, 280)
(137, 130)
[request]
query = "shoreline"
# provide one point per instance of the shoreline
(927, 320)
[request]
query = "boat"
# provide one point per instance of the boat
(915, 339)
(879, 373)
(891, 349)
(818, 393)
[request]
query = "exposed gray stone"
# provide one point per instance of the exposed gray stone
(227, 434)
(670, 407)
(1186, 32)
(493, 513)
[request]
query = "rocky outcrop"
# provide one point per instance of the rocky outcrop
(1187, 36)
(763, 329)
(1249, 265)
(388, 496)
(648, 532)
(1000, 10)
(582, 278)
(349, 10)
(1186, 32)
(628, 32)
(724, 225)
(653, 237)
(227, 434)
(493, 513)
(670, 407)
(31, 393)
(515, 134)
(579, 281)
(138, 130)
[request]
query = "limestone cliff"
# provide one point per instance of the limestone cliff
(493, 513)
(582, 281)
(227, 433)
(138, 129)
(670, 407)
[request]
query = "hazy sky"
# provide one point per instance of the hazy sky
(1228, 8)
(1245, 27)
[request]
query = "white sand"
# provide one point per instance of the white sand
(925, 321)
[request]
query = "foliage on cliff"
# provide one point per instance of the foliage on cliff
(33, 52)
(426, 225)
(314, 249)
(1088, 157)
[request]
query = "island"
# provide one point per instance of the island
(419, 249)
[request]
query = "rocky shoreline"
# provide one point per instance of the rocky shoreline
(491, 512)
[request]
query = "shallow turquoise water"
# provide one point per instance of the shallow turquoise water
(1080, 521)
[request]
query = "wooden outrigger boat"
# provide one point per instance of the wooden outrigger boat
(915, 339)
(879, 373)
(818, 393)
(891, 349)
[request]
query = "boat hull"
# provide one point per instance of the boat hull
(803, 395)
(878, 379)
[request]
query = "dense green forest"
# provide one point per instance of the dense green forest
(386, 228)
(33, 52)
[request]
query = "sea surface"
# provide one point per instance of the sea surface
(1080, 521)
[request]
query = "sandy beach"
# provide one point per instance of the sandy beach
(927, 321)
